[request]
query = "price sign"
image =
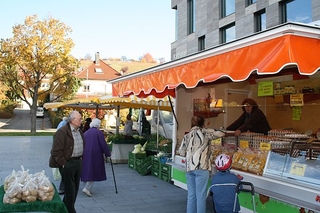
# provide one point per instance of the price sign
(216, 141)
(265, 146)
(244, 144)
(296, 100)
(298, 169)
(265, 88)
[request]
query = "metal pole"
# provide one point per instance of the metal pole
(114, 178)
(158, 122)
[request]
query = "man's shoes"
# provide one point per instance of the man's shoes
(87, 192)
(61, 192)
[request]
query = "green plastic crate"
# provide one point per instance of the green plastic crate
(165, 177)
(155, 173)
(135, 160)
(144, 167)
(165, 168)
(137, 155)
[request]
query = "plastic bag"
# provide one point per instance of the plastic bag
(13, 193)
(45, 190)
(56, 174)
(30, 191)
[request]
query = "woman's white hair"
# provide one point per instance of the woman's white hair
(95, 123)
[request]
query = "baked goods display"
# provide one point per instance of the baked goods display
(251, 149)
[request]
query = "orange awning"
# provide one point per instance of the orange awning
(293, 44)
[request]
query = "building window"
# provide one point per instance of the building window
(98, 70)
(249, 2)
(176, 22)
(260, 21)
(202, 43)
(296, 11)
(191, 16)
(228, 33)
(86, 88)
(227, 7)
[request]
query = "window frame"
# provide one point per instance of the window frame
(176, 16)
(86, 88)
(202, 43)
(250, 2)
(283, 5)
(223, 34)
(191, 16)
(223, 8)
(258, 20)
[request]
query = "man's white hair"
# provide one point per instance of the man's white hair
(95, 123)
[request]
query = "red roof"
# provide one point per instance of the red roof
(101, 71)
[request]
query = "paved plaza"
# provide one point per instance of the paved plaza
(136, 193)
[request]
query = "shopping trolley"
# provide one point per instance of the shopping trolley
(241, 187)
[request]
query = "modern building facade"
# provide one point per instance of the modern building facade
(203, 24)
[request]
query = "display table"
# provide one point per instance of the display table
(54, 206)
(120, 152)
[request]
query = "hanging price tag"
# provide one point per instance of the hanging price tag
(244, 144)
(217, 141)
(265, 146)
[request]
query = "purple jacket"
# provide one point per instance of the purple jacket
(93, 163)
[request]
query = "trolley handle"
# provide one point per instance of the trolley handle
(240, 187)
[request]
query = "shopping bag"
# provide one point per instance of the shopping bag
(56, 174)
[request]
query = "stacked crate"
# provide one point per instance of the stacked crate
(165, 172)
(135, 159)
(155, 166)
(160, 169)
(144, 167)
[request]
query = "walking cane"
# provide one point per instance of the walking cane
(114, 178)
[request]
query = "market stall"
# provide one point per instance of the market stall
(279, 68)
(121, 146)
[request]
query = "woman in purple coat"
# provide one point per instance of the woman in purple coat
(94, 154)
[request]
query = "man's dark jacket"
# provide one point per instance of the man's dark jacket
(62, 146)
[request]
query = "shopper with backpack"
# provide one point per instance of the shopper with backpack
(223, 186)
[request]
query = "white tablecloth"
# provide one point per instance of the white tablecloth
(120, 152)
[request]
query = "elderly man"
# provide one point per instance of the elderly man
(66, 154)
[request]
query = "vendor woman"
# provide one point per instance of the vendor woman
(252, 119)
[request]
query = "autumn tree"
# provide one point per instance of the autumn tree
(147, 58)
(3, 91)
(37, 54)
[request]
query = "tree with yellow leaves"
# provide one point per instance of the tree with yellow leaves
(38, 54)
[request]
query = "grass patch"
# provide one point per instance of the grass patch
(26, 134)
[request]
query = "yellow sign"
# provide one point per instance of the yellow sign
(265, 146)
(296, 100)
(265, 88)
(216, 141)
(243, 144)
(298, 169)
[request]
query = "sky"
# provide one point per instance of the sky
(114, 28)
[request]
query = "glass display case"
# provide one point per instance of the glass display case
(300, 164)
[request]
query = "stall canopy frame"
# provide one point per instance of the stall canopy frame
(107, 102)
(265, 53)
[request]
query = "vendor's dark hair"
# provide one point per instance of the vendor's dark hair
(250, 101)
(197, 121)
